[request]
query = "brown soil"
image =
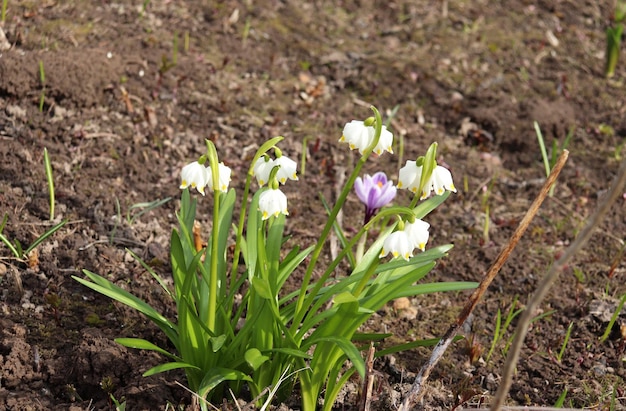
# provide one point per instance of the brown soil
(119, 120)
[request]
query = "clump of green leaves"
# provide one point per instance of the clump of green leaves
(239, 326)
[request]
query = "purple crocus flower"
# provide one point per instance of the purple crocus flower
(375, 192)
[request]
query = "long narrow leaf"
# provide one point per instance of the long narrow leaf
(350, 350)
(44, 236)
(152, 273)
(142, 344)
(216, 376)
(11, 247)
(105, 287)
(167, 367)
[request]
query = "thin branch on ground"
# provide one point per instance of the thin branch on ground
(544, 286)
(416, 392)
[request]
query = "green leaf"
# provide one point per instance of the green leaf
(262, 288)
(142, 344)
(254, 358)
(105, 287)
(436, 288)
(345, 297)
(152, 272)
(350, 350)
(290, 263)
(217, 342)
(44, 236)
(370, 336)
(292, 352)
(217, 375)
(167, 367)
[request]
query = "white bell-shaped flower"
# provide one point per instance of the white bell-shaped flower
(359, 136)
(224, 177)
(417, 232)
(272, 202)
(409, 176)
(195, 175)
(287, 169)
(441, 180)
(262, 169)
(398, 244)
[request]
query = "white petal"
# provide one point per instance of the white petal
(441, 180)
(357, 135)
(385, 142)
(224, 176)
(409, 176)
(262, 169)
(418, 233)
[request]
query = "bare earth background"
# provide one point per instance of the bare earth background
(123, 112)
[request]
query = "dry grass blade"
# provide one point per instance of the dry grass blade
(544, 286)
(416, 392)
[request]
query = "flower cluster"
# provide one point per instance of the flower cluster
(360, 136)
(264, 165)
(196, 175)
(272, 201)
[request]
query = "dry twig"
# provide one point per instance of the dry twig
(416, 392)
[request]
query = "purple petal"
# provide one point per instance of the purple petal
(385, 195)
(379, 179)
(361, 189)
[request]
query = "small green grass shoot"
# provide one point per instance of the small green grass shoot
(3, 13)
(561, 400)
(500, 329)
(49, 177)
(568, 333)
(15, 246)
(614, 38)
(42, 78)
(609, 327)
(557, 149)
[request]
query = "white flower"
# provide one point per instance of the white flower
(399, 244)
(439, 181)
(272, 202)
(418, 233)
(262, 169)
(195, 175)
(384, 142)
(287, 169)
(409, 176)
(359, 136)
(223, 175)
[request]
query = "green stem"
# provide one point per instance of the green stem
(213, 280)
(300, 309)
(244, 205)
(49, 177)
(361, 286)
